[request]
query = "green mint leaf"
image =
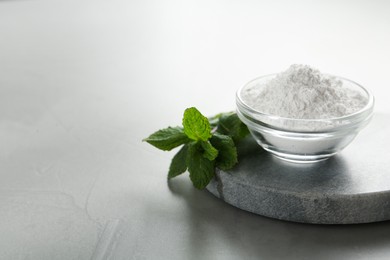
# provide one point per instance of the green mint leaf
(178, 163)
(168, 138)
(231, 125)
(196, 126)
(209, 151)
(201, 169)
(243, 131)
(227, 156)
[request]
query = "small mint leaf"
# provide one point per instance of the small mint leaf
(196, 126)
(201, 169)
(227, 156)
(231, 125)
(243, 131)
(168, 138)
(209, 151)
(178, 163)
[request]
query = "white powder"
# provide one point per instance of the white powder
(303, 92)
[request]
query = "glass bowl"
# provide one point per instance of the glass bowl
(303, 140)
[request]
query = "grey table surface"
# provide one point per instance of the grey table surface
(82, 82)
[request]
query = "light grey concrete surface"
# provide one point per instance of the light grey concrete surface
(82, 82)
(351, 187)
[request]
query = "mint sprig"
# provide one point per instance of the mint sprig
(207, 143)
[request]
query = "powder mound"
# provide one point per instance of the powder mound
(302, 92)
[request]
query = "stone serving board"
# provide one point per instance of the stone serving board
(351, 187)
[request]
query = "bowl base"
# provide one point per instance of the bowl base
(299, 158)
(300, 161)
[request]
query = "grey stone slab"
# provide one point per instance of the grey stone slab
(351, 187)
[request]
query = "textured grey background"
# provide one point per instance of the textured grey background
(83, 81)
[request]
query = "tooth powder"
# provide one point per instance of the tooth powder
(302, 92)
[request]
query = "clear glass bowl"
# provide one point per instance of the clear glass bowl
(303, 140)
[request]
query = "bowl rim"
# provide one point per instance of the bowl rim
(367, 107)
